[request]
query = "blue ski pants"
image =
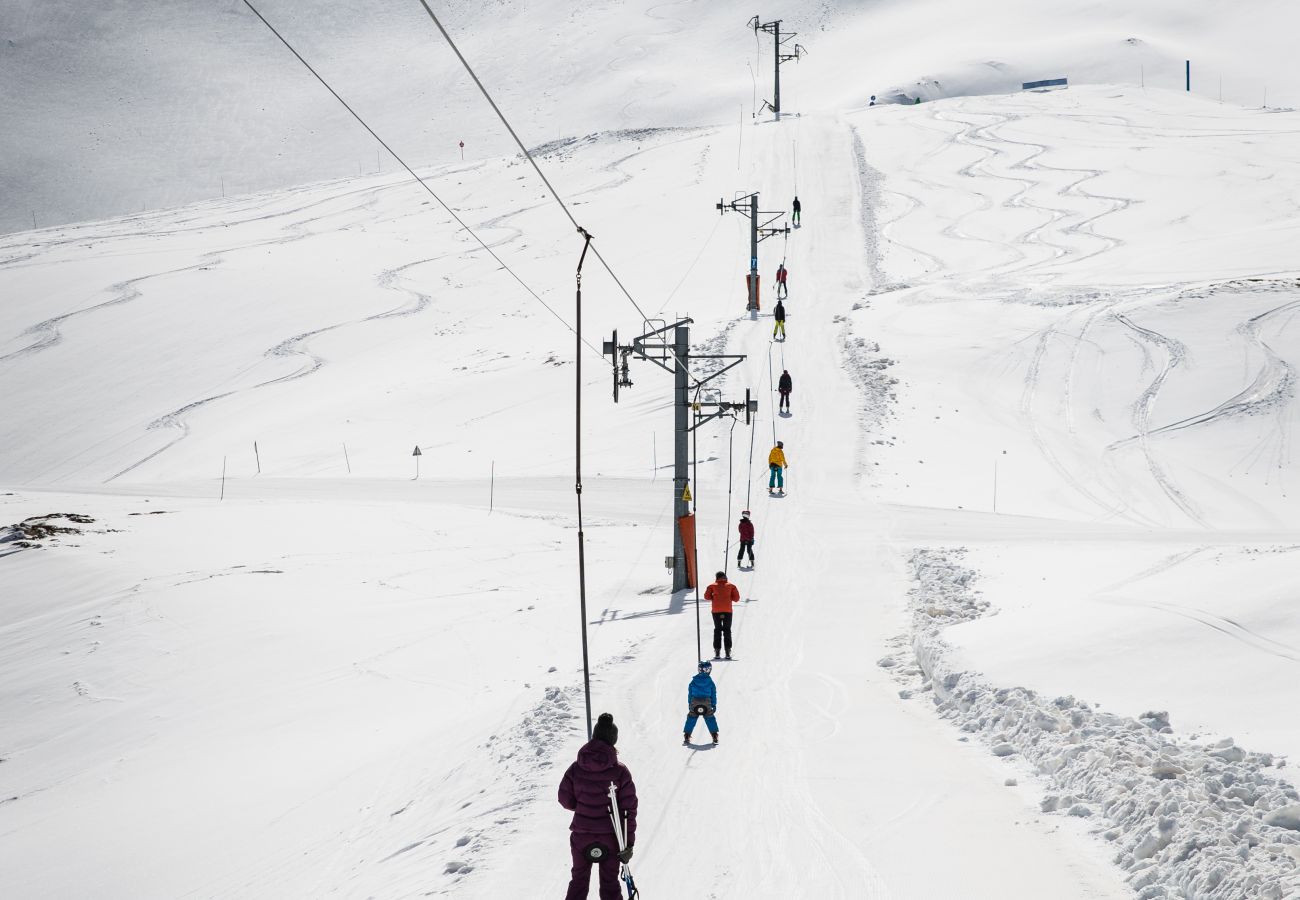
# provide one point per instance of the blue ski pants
(777, 478)
(711, 721)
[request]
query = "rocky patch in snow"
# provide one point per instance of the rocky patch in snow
(1187, 819)
(30, 532)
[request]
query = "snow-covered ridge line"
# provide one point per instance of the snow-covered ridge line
(1186, 819)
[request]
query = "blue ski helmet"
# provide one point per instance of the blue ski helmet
(706, 666)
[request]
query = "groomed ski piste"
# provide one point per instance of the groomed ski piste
(1022, 625)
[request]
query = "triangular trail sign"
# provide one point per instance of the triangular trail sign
(417, 451)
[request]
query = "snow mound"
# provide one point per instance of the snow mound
(1186, 819)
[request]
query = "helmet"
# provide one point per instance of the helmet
(706, 666)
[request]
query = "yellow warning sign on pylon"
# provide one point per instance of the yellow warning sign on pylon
(686, 494)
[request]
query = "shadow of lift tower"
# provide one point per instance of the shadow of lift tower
(688, 398)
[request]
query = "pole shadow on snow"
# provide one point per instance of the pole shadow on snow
(675, 606)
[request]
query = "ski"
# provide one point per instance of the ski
(624, 872)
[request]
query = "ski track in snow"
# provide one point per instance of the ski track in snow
(1174, 354)
(295, 345)
(1273, 385)
(1271, 390)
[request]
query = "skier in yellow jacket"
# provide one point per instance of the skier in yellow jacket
(777, 464)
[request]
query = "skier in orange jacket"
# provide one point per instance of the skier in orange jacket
(722, 594)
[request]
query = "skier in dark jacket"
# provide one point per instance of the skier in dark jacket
(746, 529)
(585, 790)
(701, 700)
(785, 385)
(778, 313)
(798, 208)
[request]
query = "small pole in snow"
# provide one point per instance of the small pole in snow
(34, 211)
(346, 460)
(492, 488)
(740, 144)
(462, 151)
(417, 456)
(1144, 77)
(223, 479)
(257, 456)
(223, 187)
(1189, 76)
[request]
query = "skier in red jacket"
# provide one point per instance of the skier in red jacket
(746, 529)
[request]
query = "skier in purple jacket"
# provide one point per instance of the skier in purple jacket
(585, 790)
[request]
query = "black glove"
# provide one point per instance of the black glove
(625, 856)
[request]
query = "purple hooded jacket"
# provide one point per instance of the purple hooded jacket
(585, 790)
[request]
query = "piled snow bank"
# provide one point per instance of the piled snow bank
(1187, 819)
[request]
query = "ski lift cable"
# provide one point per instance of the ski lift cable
(540, 174)
(695, 548)
(771, 385)
(716, 222)
(451, 212)
(749, 484)
(731, 464)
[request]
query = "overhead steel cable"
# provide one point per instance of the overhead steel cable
(451, 212)
(540, 174)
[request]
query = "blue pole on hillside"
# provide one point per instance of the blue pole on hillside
(1189, 76)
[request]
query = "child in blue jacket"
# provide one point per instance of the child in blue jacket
(702, 700)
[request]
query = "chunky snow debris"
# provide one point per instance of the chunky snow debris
(1187, 819)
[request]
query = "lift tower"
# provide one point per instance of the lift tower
(774, 28)
(676, 358)
(760, 229)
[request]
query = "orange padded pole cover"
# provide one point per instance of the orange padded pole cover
(686, 524)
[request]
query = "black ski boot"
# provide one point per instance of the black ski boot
(715, 738)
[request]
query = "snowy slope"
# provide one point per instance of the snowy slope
(415, 626)
(341, 680)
